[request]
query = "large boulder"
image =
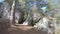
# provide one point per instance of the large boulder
(43, 25)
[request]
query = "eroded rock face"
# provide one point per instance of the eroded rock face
(36, 17)
(43, 24)
(5, 8)
(28, 20)
(19, 16)
(33, 19)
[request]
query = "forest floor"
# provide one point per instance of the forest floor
(21, 29)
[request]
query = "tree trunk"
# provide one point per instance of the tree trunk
(12, 13)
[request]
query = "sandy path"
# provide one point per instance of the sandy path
(5, 29)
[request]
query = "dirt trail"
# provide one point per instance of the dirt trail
(5, 29)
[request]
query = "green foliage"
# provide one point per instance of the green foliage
(9, 1)
(24, 6)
